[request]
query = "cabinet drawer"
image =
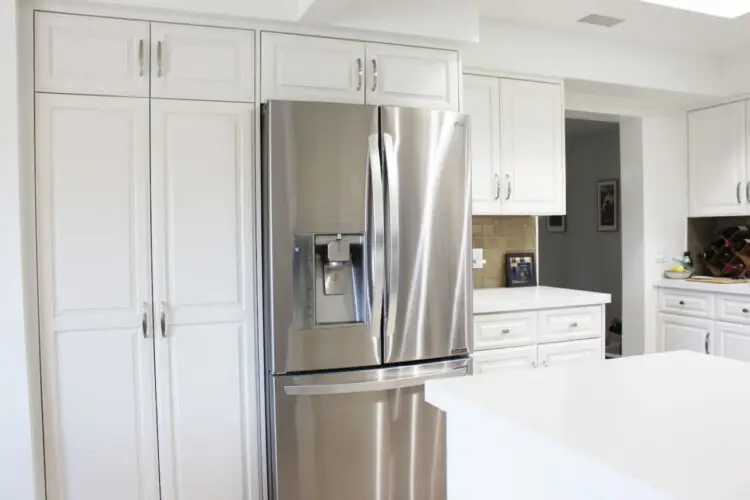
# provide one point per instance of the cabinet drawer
(733, 308)
(570, 324)
(700, 305)
(504, 330)
(503, 360)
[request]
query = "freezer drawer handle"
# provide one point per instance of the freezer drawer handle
(376, 386)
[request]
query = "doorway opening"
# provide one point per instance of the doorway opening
(583, 249)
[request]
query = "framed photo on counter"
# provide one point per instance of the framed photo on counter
(520, 269)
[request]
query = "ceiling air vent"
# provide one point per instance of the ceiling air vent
(599, 20)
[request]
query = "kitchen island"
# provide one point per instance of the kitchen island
(662, 426)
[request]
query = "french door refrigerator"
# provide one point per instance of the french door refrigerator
(367, 295)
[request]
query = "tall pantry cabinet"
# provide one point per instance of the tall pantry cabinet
(145, 199)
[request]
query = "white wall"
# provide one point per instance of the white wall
(653, 158)
(584, 258)
(17, 466)
(528, 51)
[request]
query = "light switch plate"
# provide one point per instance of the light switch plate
(477, 258)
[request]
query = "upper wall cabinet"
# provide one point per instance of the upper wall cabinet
(517, 146)
(718, 160)
(91, 55)
(193, 62)
(409, 76)
(306, 68)
(100, 56)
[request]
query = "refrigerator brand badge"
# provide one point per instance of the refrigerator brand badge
(459, 351)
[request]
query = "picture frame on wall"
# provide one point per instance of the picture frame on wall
(557, 223)
(520, 270)
(608, 208)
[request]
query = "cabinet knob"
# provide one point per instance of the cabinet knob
(574, 325)
(506, 330)
(682, 302)
(746, 310)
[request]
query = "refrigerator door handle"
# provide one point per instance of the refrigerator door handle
(377, 230)
(391, 171)
(375, 386)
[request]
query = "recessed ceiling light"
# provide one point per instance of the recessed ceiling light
(720, 8)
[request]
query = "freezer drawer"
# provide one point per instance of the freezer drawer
(365, 435)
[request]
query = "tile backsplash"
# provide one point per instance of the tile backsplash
(498, 235)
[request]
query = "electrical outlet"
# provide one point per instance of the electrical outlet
(477, 258)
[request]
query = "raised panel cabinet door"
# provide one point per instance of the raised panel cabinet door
(718, 161)
(733, 341)
(532, 148)
(195, 62)
(412, 77)
(92, 177)
(202, 190)
(308, 68)
(681, 333)
(482, 104)
(570, 352)
(91, 55)
(502, 360)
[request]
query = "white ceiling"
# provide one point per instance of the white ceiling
(645, 24)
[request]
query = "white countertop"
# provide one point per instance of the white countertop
(497, 300)
(734, 288)
(673, 424)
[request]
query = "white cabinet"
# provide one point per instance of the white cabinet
(558, 325)
(517, 146)
(681, 333)
(718, 161)
(307, 68)
(493, 331)
(195, 62)
(202, 244)
(92, 158)
(412, 76)
(733, 341)
(532, 148)
(482, 104)
(570, 352)
(501, 360)
(91, 55)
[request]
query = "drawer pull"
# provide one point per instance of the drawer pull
(506, 330)
(682, 302)
(746, 310)
(574, 325)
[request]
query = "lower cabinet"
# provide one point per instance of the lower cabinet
(733, 341)
(543, 355)
(682, 333)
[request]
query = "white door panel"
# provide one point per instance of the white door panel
(570, 352)
(681, 333)
(203, 258)
(196, 62)
(733, 341)
(94, 278)
(91, 55)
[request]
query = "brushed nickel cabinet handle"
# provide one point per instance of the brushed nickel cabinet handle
(747, 192)
(140, 58)
(360, 73)
(739, 196)
(144, 319)
(506, 330)
(510, 187)
(574, 325)
(746, 310)
(374, 75)
(497, 187)
(708, 336)
(163, 319)
(160, 59)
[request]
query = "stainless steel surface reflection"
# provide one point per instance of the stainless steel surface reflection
(366, 435)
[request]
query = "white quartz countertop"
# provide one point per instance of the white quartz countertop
(498, 300)
(672, 424)
(734, 288)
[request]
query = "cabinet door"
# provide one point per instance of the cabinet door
(91, 55)
(570, 352)
(412, 77)
(733, 341)
(681, 333)
(94, 288)
(502, 360)
(532, 153)
(482, 104)
(194, 62)
(306, 68)
(717, 161)
(203, 287)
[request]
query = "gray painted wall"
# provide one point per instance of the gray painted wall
(583, 258)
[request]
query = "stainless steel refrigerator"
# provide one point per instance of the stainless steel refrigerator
(367, 241)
